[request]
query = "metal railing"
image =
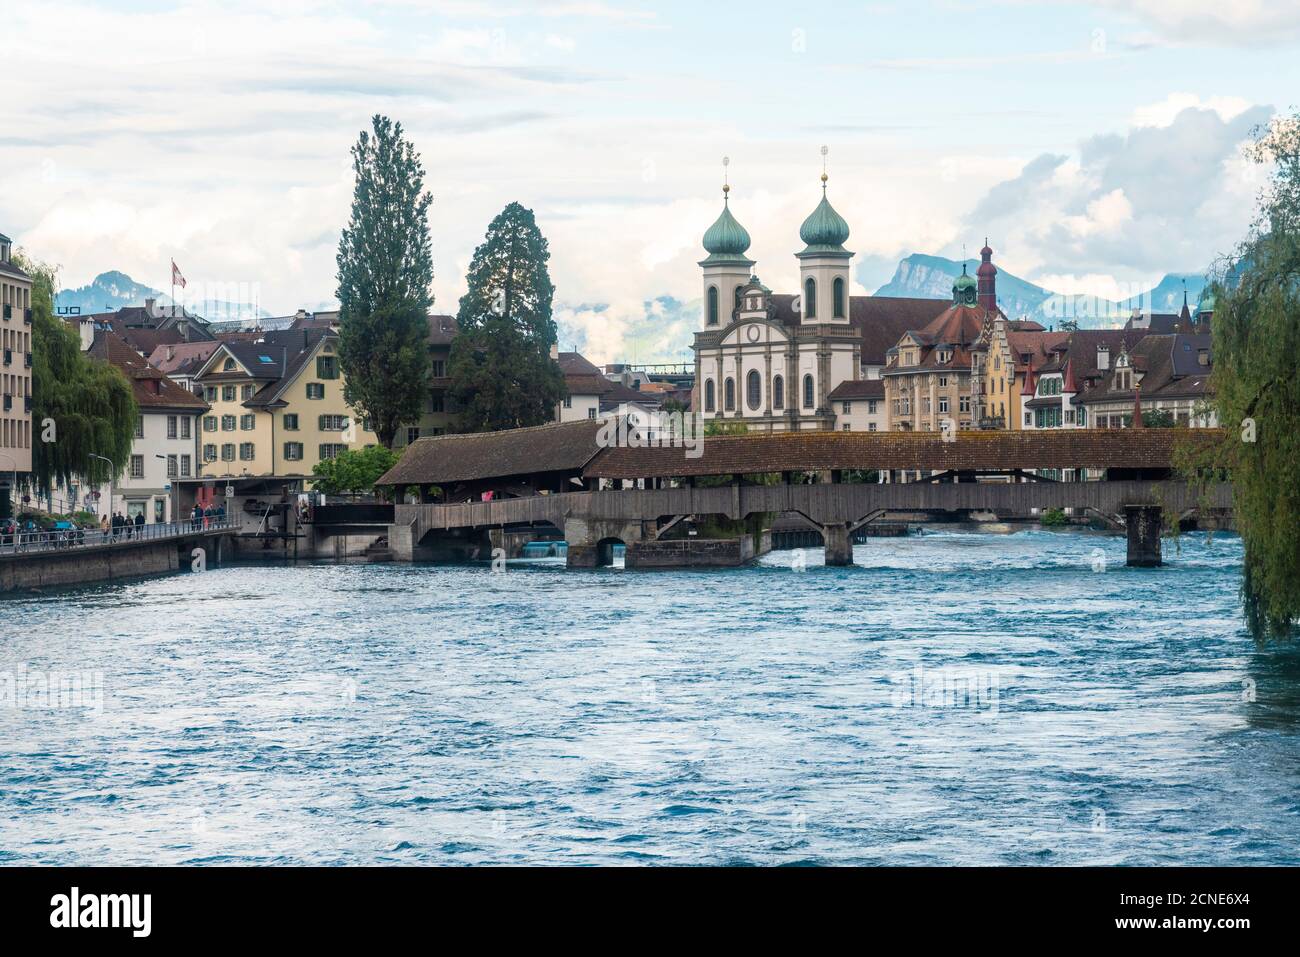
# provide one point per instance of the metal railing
(24, 542)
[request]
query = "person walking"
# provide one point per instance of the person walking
(196, 516)
(139, 524)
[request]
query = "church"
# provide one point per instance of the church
(809, 361)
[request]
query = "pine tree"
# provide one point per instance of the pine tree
(81, 406)
(501, 369)
(385, 270)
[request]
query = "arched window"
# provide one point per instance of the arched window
(753, 389)
(713, 305)
(837, 298)
(808, 392)
(809, 298)
(778, 392)
(708, 395)
(729, 395)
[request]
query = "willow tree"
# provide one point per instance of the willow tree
(502, 375)
(82, 407)
(1256, 326)
(385, 270)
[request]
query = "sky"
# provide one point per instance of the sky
(1098, 145)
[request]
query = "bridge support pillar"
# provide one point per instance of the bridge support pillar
(839, 545)
(591, 541)
(1143, 523)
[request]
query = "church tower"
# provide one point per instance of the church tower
(987, 274)
(824, 263)
(726, 269)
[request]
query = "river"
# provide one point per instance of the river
(955, 698)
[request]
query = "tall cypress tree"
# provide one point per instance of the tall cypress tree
(502, 375)
(81, 406)
(385, 268)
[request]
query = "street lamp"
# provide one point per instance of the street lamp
(110, 478)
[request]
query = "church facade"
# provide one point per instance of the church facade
(782, 362)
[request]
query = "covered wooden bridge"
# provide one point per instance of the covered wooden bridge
(566, 477)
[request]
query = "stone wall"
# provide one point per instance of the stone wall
(696, 552)
(54, 569)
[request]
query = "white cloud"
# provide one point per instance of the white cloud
(1216, 21)
(1166, 111)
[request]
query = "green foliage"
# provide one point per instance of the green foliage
(723, 427)
(353, 471)
(1153, 419)
(502, 375)
(1256, 327)
(1053, 518)
(385, 270)
(89, 401)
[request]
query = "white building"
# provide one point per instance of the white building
(775, 362)
(165, 447)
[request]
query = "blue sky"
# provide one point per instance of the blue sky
(1098, 144)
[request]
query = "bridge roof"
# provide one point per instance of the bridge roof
(975, 451)
(470, 457)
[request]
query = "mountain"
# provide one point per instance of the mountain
(112, 290)
(926, 276)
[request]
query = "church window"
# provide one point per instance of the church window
(708, 395)
(753, 389)
(808, 389)
(713, 305)
(729, 395)
(809, 298)
(778, 392)
(837, 297)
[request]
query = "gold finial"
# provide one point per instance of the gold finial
(825, 150)
(726, 186)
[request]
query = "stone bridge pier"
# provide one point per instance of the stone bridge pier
(1143, 524)
(592, 540)
(839, 544)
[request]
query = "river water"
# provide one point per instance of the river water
(955, 698)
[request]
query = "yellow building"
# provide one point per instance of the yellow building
(277, 407)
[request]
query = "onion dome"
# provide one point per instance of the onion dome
(964, 289)
(825, 230)
(1206, 305)
(726, 240)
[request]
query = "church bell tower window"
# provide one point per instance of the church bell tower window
(810, 298)
(837, 297)
(808, 392)
(713, 305)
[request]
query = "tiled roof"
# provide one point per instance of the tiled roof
(442, 329)
(587, 384)
(882, 320)
(575, 363)
(152, 389)
(974, 451)
(182, 358)
(1171, 370)
(858, 389)
(443, 459)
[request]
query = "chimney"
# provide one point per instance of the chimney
(149, 304)
(555, 352)
(171, 353)
(1103, 358)
(1203, 357)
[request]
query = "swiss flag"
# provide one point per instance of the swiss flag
(177, 278)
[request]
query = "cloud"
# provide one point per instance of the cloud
(1166, 111)
(1171, 194)
(1216, 22)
